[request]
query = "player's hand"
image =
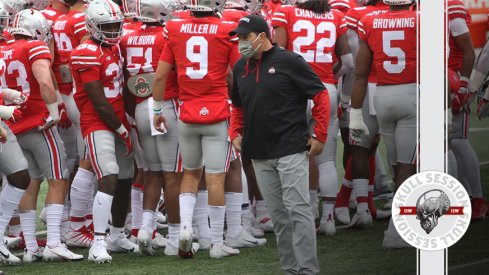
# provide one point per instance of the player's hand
(3, 135)
(159, 122)
(343, 111)
(10, 113)
(18, 98)
(237, 143)
(64, 121)
(50, 121)
(357, 126)
(483, 108)
(126, 138)
(315, 146)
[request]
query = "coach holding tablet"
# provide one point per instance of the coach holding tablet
(271, 88)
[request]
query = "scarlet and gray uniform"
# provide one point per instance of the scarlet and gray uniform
(395, 97)
(141, 50)
(44, 150)
(93, 62)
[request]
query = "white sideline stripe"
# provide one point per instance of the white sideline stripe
(473, 130)
(455, 267)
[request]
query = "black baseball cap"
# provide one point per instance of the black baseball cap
(251, 23)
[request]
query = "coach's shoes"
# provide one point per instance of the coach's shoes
(121, 244)
(264, 223)
(171, 250)
(79, 238)
(30, 257)
(342, 214)
(11, 242)
(361, 220)
(59, 252)
(145, 242)
(7, 257)
(327, 226)
(222, 251)
(98, 253)
(244, 240)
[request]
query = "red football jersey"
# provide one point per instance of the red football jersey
(90, 62)
(456, 10)
(68, 30)
(392, 38)
(51, 14)
(202, 51)
(182, 14)
(313, 36)
(130, 26)
(233, 15)
(141, 50)
(343, 5)
(19, 57)
(355, 14)
(7, 38)
(267, 11)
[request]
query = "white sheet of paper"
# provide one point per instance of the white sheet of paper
(154, 132)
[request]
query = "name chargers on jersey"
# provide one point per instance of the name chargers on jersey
(191, 28)
(310, 14)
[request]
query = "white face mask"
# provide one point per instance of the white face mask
(246, 48)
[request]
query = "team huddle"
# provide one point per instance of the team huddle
(124, 108)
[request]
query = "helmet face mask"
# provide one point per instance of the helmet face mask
(104, 21)
(129, 8)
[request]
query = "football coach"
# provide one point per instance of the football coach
(271, 87)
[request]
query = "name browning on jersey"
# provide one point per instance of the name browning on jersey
(310, 14)
(199, 28)
(141, 40)
(393, 23)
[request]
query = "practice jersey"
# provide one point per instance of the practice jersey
(456, 11)
(392, 37)
(141, 50)
(202, 52)
(19, 57)
(51, 15)
(233, 15)
(313, 36)
(68, 30)
(92, 62)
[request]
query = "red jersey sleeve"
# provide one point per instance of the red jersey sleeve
(362, 31)
(167, 55)
(456, 9)
(38, 51)
(279, 18)
(79, 26)
(86, 65)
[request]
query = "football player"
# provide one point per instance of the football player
(478, 79)
(325, 31)
(96, 66)
(395, 96)
(28, 70)
(343, 5)
(461, 59)
(234, 10)
(201, 51)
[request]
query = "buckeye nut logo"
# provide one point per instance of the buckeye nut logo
(431, 210)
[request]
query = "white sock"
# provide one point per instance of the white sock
(80, 193)
(216, 215)
(173, 234)
(136, 208)
(115, 233)
(147, 219)
(201, 214)
(233, 214)
(9, 201)
(261, 209)
(187, 205)
(28, 222)
(328, 179)
(102, 204)
(54, 214)
(328, 209)
(14, 230)
(155, 222)
(360, 187)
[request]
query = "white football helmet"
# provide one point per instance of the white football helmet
(398, 2)
(4, 18)
(33, 24)
(40, 4)
(129, 8)
(100, 15)
(253, 6)
(235, 4)
(215, 6)
(156, 10)
(14, 6)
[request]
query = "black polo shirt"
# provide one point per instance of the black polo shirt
(273, 94)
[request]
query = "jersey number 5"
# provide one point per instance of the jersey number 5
(396, 52)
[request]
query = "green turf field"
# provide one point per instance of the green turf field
(348, 252)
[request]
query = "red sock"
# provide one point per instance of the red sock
(134, 232)
(343, 196)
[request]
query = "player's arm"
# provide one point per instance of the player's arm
(280, 37)
(95, 91)
(229, 81)
(129, 98)
(235, 130)
(41, 69)
(159, 87)
(481, 68)
(461, 35)
(84, 38)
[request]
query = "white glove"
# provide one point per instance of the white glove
(357, 126)
(15, 96)
(6, 112)
(53, 117)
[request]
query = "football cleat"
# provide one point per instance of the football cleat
(98, 253)
(222, 251)
(381, 214)
(144, 241)
(159, 240)
(244, 240)
(361, 220)
(393, 242)
(160, 218)
(30, 257)
(161, 226)
(327, 226)
(265, 224)
(171, 250)
(11, 242)
(7, 257)
(185, 242)
(204, 243)
(79, 238)
(479, 209)
(255, 232)
(342, 214)
(121, 244)
(59, 253)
